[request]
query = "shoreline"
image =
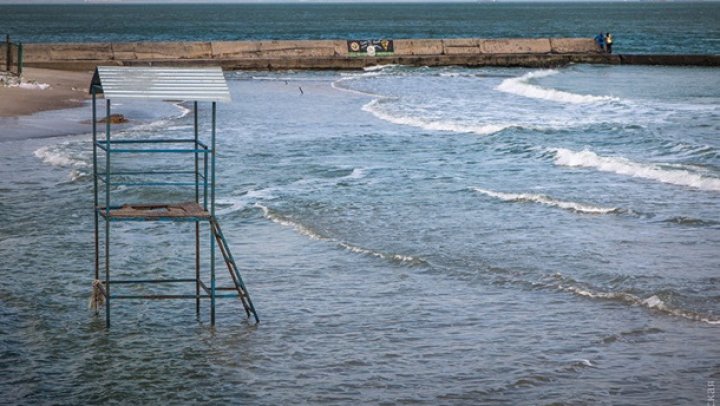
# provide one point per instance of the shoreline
(66, 90)
(66, 69)
(36, 111)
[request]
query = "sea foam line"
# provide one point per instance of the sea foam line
(337, 86)
(521, 87)
(623, 166)
(487, 129)
(376, 68)
(653, 302)
(546, 200)
(312, 234)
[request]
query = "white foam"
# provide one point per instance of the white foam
(238, 203)
(357, 173)
(542, 199)
(652, 302)
(184, 111)
(433, 125)
(55, 157)
(623, 166)
(336, 85)
(521, 87)
(408, 259)
(76, 174)
(284, 221)
(32, 86)
(378, 67)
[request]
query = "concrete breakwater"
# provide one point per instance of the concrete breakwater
(337, 54)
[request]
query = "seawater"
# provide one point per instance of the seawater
(639, 27)
(408, 235)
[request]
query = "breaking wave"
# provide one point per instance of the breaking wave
(378, 67)
(691, 222)
(449, 126)
(57, 155)
(623, 166)
(653, 302)
(542, 199)
(315, 235)
(337, 85)
(521, 86)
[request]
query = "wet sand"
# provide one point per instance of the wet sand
(67, 89)
(33, 112)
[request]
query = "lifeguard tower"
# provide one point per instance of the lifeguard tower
(196, 153)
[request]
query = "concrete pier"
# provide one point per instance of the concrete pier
(334, 54)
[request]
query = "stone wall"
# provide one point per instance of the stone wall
(331, 54)
(131, 51)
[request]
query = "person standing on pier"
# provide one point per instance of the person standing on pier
(600, 41)
(608, 42)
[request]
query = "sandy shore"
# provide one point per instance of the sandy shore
(37, 109)
(66, 89)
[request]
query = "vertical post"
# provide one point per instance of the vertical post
(107, 212)
(212, 217)
(205, 179)
(212, 161)
(95, 182)
(197, 173)
(107, 157)
(197, 223)
(8, 53)
(20, 59)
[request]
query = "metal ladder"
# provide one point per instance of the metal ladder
(233, 269)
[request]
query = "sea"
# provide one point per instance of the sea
(408, 235)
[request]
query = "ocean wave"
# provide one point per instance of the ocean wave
(432, 125)
(233, 204)
(378, 67)
(690, 221)
(653, 302)
(520, 86)
(623, 166)
(357, 173)
(288, 222)
(337, 86)
(59, 156)
(542, 199)
(315, 235)
(404, 259)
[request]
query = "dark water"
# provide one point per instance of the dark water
(682, 27)
(409, 235)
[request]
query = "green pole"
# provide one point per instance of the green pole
(212, 218)
(20, 59)
(107, 212)
(8, 52)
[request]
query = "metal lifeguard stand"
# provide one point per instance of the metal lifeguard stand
(167, 84)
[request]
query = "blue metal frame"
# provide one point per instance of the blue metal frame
(104, 179)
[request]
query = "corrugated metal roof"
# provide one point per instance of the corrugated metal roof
(187, 84)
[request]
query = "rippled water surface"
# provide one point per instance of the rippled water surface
(408, 235)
